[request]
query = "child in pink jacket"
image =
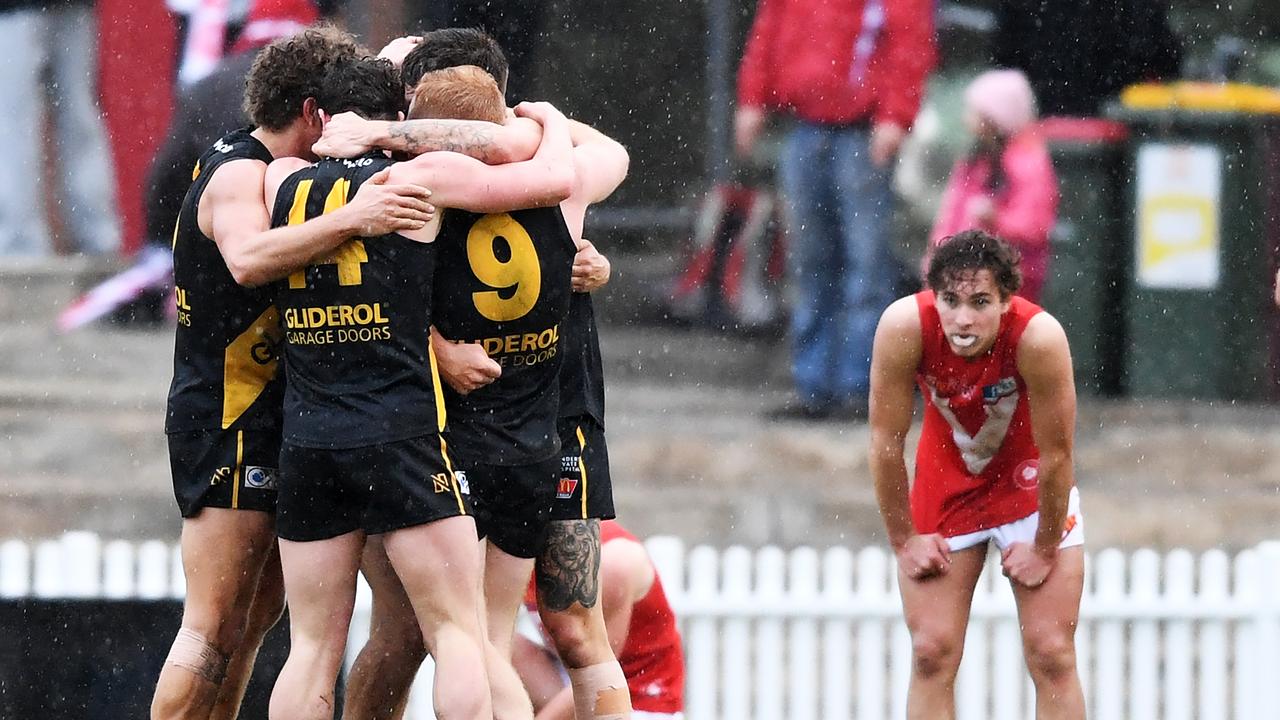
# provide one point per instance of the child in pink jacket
(1006, 184)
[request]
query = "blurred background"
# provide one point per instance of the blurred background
(1175, 332)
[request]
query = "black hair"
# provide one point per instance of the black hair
(367, 86)
(451, 47)
(973, 250)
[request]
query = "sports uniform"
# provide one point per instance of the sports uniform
(363, 410)
(223, 418)
(503, 281)
(585, 488)
(977, 465)
(652, 658)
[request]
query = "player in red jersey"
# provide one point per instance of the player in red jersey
(641, 628)
(993, 463)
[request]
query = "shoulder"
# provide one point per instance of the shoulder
(237, 176)
(1043, 346)
(280, 169)
(624, 563)
(901, 317)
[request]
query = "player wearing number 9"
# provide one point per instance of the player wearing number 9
(363, 451)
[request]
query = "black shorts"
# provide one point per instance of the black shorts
(233, 469)
(513, 503)
(377, 489)
(584, 490)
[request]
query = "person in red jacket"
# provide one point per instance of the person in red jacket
(641, 628)
(848, 75)
(993, 466)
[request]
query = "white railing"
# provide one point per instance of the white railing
(803, 635)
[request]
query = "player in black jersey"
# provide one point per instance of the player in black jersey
(223, 419)
(381, 672)
(363, 455)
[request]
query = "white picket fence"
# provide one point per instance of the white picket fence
(804, 635)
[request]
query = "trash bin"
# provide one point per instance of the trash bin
(1204, 221)
(1087, 277)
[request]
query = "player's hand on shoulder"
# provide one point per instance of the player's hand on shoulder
(924, 556)
(397, 49)
(345, 135)
(1027, 565)
(466, 367)
(380, 207)
(591, 269)
(541, 111)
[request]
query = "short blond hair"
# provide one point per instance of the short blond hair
(464, 92)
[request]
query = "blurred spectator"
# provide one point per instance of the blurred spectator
(51, 64)
(515, 24)
(211, 107)
(848, 75)
(1077, 53)
(1005, 185)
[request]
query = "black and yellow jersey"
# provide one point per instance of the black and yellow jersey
(225, 371)
(503, 280)
(582, 373)
(357, 324)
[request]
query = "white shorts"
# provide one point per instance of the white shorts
(642, 715)
(1024, 530)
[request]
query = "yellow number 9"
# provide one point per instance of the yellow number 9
(519, 277)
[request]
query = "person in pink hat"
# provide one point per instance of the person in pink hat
(1005, 185)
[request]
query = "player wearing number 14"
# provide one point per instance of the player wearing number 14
(363, 454)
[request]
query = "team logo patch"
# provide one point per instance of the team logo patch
(1006, 386)
(1027, 475)
(461, 477)
(219, 475)
(260, 478)
(564, 490)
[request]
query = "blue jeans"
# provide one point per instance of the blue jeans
(841, 270)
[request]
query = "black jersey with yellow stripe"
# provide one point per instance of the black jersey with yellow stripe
(504, 280)
(357, 324)
(225, 372)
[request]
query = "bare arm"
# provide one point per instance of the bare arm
(349, 135)
(462, 182)
(233, 211)
(1044, 361)
(600, 165)
(895, 356)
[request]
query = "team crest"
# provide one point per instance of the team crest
(260, 478)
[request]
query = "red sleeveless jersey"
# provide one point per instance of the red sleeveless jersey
(977, 463)
(652, 658)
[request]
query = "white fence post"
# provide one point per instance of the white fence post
(1179, 581)
(1144, 637)
(802, 680)
(873, 594)
(837, 647)
(771, 578)
(1248, 587)
(1267, 626)
(701, 648)
(735, 666)
(1211, 653)
(1109, 678)
(15, 569)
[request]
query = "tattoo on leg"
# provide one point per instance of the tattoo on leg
(569, 569)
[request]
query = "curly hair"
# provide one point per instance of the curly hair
(973, 250)
(367, 86)
(290, 70)
(452, 47)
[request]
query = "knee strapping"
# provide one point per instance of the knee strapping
(191, 651)
(600, 692)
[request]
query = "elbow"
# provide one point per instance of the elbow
(560, 185)
(245, 274)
